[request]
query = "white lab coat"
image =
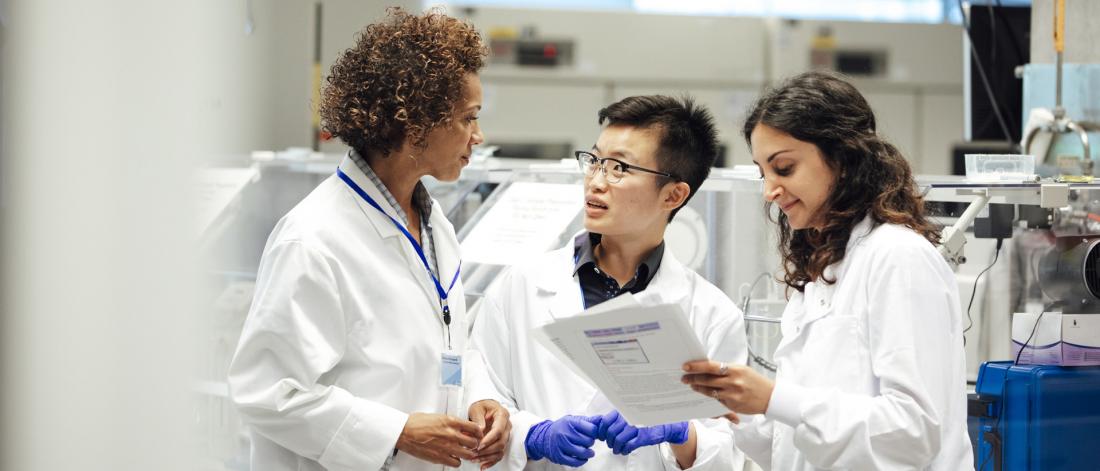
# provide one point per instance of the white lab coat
(871, 369)
(344, 336)
(504, 364)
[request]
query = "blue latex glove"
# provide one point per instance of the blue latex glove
(624, 438)
(566, 441)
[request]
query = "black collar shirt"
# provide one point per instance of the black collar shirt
(596, 285)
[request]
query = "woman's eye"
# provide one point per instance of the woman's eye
(784, 171)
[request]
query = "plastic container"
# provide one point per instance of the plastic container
(1000, 167)
(1037, 417)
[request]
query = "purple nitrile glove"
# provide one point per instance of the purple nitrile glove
(624, 438)
(675, 433)
(566, 441)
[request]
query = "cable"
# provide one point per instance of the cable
(1004, 382)
(973, 292)
(1033, 329)
(992, 36)
(1011, 33)
(985, 80)
(767, 365)
(996, 84)
(1001, 401)
(999, 14)
(745, 302)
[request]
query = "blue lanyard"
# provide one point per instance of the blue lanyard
(416, 246)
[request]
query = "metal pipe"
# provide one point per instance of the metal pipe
(765, 319)
(1084, 135)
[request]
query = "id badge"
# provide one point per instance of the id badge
(450, 370)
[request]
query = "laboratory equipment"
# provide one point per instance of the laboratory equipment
(1067, 332)
(1056, 121)
(1000, 167)
(1035, 416)
(686, 236)
(1070, 272)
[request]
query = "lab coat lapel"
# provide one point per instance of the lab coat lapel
(446, 253)
(560, 286)
(379, 221)
(385, 226)
(566, 301)
(669, 285)
(816, 301)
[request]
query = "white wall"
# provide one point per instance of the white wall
(918, 103)
(108, 106)
(271, 71)
(342, 21)
(718, 60)
(1081, 41)
(724, 62)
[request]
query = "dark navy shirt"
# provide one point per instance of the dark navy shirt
(598, 286)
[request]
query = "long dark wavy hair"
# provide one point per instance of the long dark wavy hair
(872, 177)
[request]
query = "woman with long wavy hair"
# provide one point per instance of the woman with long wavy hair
(871, 368)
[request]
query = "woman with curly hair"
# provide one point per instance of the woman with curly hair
(350, 358)
(871, 365)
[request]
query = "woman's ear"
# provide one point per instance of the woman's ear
(674, 195)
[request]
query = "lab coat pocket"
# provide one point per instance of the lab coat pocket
(832, 343)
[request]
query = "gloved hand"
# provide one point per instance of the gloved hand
(566, 441)
(624, 438)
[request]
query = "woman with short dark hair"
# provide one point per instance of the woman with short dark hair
(871, 369)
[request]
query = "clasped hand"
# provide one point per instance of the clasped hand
(446, 440)
(568, 440)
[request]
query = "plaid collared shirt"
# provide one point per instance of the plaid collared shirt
(421, 200)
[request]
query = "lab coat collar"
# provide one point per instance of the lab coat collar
(554, 280)
(669, 286)
(551, 280)
(446, 248)
(859, 233)
(382, 224)
(816, 301)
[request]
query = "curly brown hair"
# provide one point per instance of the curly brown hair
(401, 80)
(872, 177)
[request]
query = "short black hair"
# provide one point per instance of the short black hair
(688, 143)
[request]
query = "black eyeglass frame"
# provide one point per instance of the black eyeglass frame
(599, 162)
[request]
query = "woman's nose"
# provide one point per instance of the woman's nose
(771, 191)
(478, 137)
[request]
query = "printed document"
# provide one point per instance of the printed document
(634, 354)
(521, 223)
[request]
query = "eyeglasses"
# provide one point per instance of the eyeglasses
(613, 169)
